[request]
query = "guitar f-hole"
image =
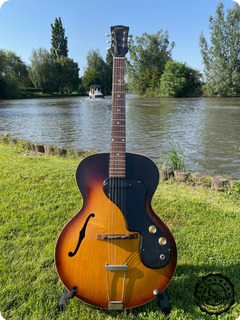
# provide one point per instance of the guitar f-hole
(81, 236)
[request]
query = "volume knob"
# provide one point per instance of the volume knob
(152, 229)
(162, 241)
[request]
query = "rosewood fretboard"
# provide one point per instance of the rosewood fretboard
(117, 166)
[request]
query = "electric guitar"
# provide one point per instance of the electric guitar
(116, 251)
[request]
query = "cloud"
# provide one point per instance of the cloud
(238, 1)
(2, 2)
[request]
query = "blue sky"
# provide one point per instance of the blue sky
(25, 24)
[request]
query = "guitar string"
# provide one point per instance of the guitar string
(116, 150)
(114, 192)
(122, 96)
(119, 149)
(110, 219)
(122, 163)
(115, 166)
(116, 154)
(116, 180)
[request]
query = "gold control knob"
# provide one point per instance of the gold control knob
(162, 241)
(152, 229)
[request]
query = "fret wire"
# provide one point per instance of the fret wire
(116, 130)
(117, 162)
(118, 157)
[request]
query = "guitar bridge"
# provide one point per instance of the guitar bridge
(127, 236)
(116, 305)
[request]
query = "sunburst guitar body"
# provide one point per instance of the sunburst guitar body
(116, 251)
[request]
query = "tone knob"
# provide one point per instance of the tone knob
(152, 229)
(162, 241)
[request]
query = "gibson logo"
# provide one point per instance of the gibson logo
(119, 28)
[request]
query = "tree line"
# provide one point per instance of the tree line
(151, 71)
(52, 71)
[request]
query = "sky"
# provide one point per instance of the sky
(26, 24)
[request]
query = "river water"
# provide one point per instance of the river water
(208, 129)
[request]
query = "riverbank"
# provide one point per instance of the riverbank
(219, 183)
(39, 195)
(40, 95)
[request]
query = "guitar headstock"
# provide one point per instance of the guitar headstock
(119, 43)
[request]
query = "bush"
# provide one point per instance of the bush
(179, 80)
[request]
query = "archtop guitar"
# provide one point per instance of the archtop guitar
(116, 251)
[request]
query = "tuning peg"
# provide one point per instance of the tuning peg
(107, 35)
(108, 41)
(130, 36)
(108, 49)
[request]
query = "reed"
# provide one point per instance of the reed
(176, 158)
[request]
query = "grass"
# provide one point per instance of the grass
(38, 195)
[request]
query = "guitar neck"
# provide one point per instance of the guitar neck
(117, 166)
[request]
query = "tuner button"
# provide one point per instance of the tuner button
(152, 229)
(162, 241)
(107, 35)
(108, 41)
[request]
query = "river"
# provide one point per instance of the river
(208, 129)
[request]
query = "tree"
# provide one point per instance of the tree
(148, 56)
(109, 71)
(97, 72)
(66, 70)
(90, 77)
(59, 41)
(53, 75)
(221, 57)
(43, 71)
(67, 75)
(179, 80)
(13, 75)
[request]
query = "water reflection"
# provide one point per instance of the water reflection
(207, 128)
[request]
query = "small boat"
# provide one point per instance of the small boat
(95, 92)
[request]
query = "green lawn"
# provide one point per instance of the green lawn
(38, 195)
